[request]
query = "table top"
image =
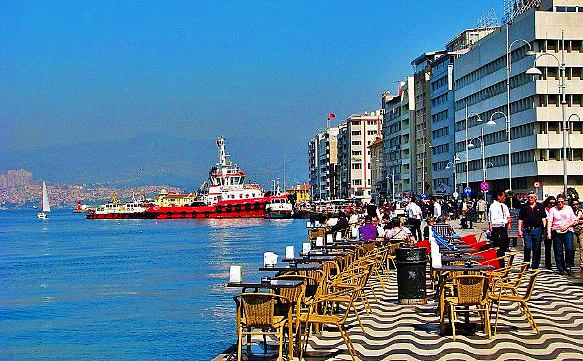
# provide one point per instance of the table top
(313, 258)
(462, 257)
(337, 246)
(448, 268)
(272, 284)
(282, 267)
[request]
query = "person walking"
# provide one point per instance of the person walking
(498, 223)
(560, 229)
(578, 228)
(481, 206)
(532, 220)
(436, 207)
(414, 214)
(548, 203)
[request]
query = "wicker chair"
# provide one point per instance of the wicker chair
(501, 296)
(468, 290)
(317, 317)
(256, 315)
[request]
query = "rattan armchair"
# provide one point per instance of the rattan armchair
(317, 317)
(468, 291)
(509, 293)
(256, 315)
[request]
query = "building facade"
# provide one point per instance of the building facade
(535, 105)
(322, 160)
(362, 130)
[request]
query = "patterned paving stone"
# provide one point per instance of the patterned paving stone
(398, 332)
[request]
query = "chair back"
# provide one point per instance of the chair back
(530, 285)
(258, 309)
(478, 246)
(295, 294)
(471, 289)
(423, 244)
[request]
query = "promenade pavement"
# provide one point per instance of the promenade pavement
(411, 332)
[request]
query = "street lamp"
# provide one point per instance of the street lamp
(535, 72)
(454, 175)
(492, 122)
(482, 145)
(508, 70)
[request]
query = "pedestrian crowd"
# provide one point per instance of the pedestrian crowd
(554, 224)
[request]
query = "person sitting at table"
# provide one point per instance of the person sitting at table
(398, 232)
(368, 231)
(353, 218)
(332, 220)
(442, 227)
(341, 223)
(430, 222)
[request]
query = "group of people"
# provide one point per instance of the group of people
(553, 223)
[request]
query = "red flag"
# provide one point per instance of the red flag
(331, 116)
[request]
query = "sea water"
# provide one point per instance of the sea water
(126, 289)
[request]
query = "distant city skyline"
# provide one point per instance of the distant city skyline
(79, 81)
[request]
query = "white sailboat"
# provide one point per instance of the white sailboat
(45, 205)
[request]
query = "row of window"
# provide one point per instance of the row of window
(491, 67)
(492, 91)
(520, 131)
(501, 160)
(444, 148)
(569, 9)
(438, 117)
(515, 107)
(439, 83)
(439, 100)
(440, 133)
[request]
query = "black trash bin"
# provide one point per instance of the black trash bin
(411, 275)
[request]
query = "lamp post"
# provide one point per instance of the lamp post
(492, 122)
(508, 71)
(535, 72)
(454, 175)
(482, 145)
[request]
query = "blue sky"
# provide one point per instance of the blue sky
(261, 73)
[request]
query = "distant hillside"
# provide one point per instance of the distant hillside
(155, 159)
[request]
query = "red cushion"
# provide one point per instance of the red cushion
(490, 257)
(469, 239)
(424, 244)
(479, 246)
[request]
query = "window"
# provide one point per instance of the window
(356, 142)
(355, 132)
(356, 182)
(356, 165)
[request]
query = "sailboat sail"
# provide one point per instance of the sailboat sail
(46, 205)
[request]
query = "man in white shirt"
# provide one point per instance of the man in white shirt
(498, 224)
(414, 214)
(436, 207)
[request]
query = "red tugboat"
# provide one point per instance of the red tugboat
(227, 195)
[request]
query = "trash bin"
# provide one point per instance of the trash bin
(411, 275)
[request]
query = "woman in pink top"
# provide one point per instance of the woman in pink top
(560, 222)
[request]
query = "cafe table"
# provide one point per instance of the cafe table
(269, 284)
(282, 267)
(459, 257)
(336, 246)
(312, 258)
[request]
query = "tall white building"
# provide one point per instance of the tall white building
(362, 130)
(535, 105)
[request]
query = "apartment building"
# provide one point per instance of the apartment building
(322, 160)
(396, 133)
(535, 105)
(362, 130)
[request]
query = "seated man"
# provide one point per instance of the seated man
(442, 227)
(368, 231)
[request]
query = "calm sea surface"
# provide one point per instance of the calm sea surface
(126, 289)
